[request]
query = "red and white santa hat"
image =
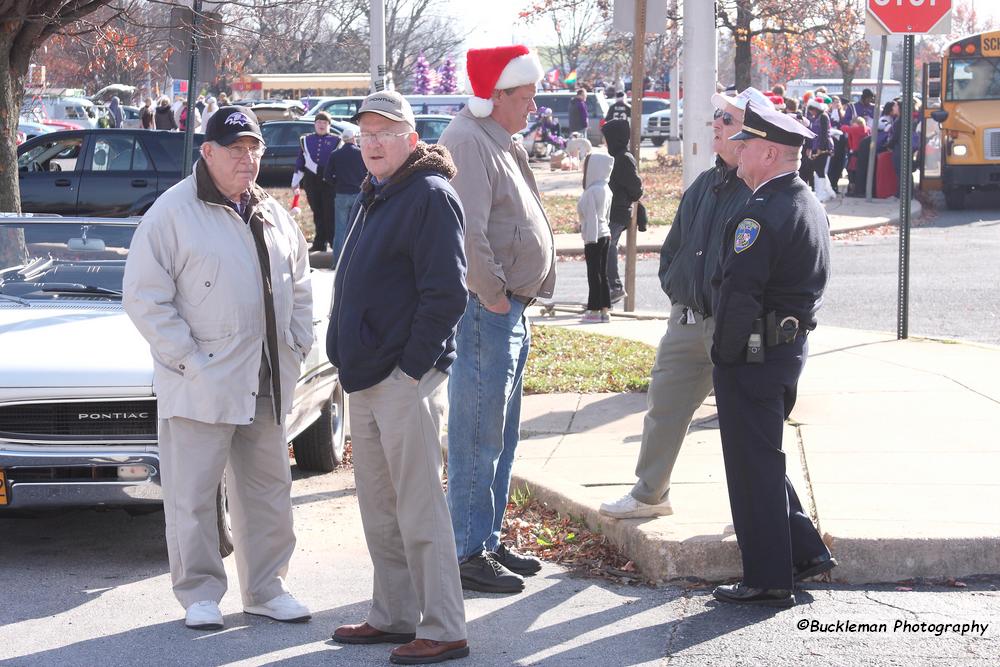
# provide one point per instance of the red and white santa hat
(498, 69)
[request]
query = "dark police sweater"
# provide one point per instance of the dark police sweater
(400, 285)
(783, 267)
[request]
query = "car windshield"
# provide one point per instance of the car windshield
(48, 260)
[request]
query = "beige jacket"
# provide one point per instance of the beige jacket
(508, 239)
(193, 289)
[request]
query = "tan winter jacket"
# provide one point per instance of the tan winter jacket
(193, 289)
(508, 240)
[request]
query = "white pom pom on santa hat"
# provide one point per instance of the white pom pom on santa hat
(498, 69)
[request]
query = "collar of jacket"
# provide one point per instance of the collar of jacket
(724, 174)
(209, 193)
(492, 128)
(425, 157)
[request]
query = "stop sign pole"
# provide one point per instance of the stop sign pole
(906, 17)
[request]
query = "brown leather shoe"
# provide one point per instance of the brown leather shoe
(362, 633)
(425, 651)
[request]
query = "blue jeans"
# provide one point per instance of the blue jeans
(341, 222)
(484, 420)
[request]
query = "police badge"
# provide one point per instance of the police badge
(746, 233)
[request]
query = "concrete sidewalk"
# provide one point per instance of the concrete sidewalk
(847, 214)
(892, 446)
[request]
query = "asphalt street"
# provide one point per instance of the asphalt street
(954, 283)
(93, 588)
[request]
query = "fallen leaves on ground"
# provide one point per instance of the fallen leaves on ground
(536, 529)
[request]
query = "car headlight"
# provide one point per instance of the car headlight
(960, 150)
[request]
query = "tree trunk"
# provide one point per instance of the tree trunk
(11, 94)
(741, 41)
(847, 72)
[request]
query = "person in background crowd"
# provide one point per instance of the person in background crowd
(211, 106)
(345, 171)
(886, 123)
(164, 115)
(593, 208)
(838, 159)
(182, 123)
(146, 114)
(620, 110)
(199, 104)
(863, 107)
(768, 285)
(115, 112)
(579, 119)
(512, 261)
(817, 151)
(315, 149)
(855, 133)
(626, 189)
(223, 100)
(792, 109)
(778, 90)
(681, 377)
(397, 302)
(217, 282)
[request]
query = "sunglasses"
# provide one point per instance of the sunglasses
(727, 118)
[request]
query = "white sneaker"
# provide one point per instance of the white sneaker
(204, 615)
(628, 507)
(282, 608)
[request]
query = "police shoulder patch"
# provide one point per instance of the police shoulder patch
(746, 233)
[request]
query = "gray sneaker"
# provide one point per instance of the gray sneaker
(628, 507)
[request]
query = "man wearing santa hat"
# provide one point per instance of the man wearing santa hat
(511, 255)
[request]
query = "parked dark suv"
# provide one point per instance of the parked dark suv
(100, 172)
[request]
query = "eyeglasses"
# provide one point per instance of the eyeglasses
(727, 118)
(240, 152)
(365, 138)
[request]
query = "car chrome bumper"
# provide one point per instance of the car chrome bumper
(43, 477)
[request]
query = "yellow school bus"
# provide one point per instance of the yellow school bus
(961, 127)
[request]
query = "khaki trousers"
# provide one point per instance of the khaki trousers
(396, 444)
(680, 381)
(193, 457)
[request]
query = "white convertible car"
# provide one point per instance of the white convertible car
(77, 411)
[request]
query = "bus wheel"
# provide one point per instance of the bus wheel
(955, 198)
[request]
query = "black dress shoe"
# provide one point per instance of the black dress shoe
(483, 573)
(814, 567)
(521, 564)
(768, 597)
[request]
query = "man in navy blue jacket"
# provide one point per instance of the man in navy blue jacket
(400, 292)
(345, 171)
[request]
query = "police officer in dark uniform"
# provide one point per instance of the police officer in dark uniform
(314, 151)
(774, 266)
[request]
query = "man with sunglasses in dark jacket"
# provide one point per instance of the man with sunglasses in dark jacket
(681, 377)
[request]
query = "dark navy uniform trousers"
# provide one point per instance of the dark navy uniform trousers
(753, 402)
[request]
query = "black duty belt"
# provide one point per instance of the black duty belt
(781, 329)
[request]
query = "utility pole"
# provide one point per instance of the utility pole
(701, 71)
(192, 86)
(379, 70)
(638, 75)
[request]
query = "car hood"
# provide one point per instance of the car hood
(72, 345)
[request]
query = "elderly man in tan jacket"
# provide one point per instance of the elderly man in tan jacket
(217, 281)
(510, 250)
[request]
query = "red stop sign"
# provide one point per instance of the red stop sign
(909, 16)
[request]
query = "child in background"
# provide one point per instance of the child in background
(594, 208)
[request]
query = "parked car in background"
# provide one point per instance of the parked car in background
(657, 125)
(282, 140)
(278, 111)
(339, 108)
(110, 172)
(79, 111)
(77, 411)
(32, 129)
(597, 108)
(430, 126)
(447, 105)
(649, 106)
(132, 119)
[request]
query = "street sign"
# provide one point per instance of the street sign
(908, 17)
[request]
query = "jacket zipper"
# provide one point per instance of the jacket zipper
(363, 218)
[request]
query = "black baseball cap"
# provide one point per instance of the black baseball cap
(230, 123)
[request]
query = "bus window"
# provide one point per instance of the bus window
(974, 79)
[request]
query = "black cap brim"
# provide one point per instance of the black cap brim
(743, 135)
(228, 139)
